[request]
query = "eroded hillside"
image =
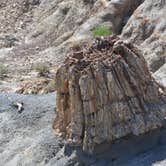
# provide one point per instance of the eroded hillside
(45, 31)
(42, 31)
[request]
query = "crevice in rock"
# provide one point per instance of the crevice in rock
(127, 15)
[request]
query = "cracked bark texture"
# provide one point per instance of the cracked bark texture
(104, 92)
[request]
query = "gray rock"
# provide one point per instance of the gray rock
(27, 138)
(160, 75)
(148, 30)
(51, 20)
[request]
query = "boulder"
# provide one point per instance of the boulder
(105, 92)
(148, 31)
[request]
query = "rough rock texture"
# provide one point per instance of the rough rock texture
(160, 75)
(43, 31)
(106, 92)
(15, 17)
(38, 86)
(147, 28)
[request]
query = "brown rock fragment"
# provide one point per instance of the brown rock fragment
(105, 92)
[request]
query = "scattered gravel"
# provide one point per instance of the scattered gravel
(27, 139)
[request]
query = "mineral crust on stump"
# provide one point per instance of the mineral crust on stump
(105, 92)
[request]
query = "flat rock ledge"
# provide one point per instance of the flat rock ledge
(105, 92)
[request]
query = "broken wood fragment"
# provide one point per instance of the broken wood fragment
(105, 92)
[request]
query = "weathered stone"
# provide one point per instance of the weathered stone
(36, 86)
(105, 92)
(38, 30)
(148, 31)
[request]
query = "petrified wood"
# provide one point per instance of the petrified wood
(104, 92)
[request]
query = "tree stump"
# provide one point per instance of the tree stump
(104, 92)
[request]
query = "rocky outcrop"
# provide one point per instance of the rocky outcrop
(15, 18)
(105, 92)
(42, 31)
(148, 30)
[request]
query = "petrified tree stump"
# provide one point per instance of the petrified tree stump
(105, 92)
